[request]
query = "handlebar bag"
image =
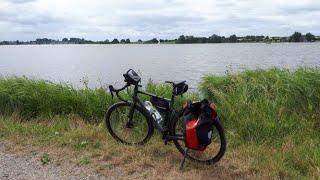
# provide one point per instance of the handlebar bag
(132, 77)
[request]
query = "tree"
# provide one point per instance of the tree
(181, 39)
(151, 41)
(128, 41)
(154, 40)
(122, 41)
(189, 39)
(77, 41)
(201, 40)
(310, 37)
(215, 39)
(65, 40)
(139, 41)
(233, 38)
(44, 41)
(115, 41)
(295, 37)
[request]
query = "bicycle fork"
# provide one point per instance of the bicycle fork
(129, 124)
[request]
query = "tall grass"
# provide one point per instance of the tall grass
(34, 98)
(267, 103)
(275, 111)
(39, 98)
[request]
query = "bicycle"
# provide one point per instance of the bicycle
(137, 123)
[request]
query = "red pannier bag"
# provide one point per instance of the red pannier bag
(198, 124)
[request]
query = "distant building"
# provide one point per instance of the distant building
(276, 39)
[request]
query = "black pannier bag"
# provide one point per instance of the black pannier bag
(198, 124)
(161, 104)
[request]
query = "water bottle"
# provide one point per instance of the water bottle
(153, 111)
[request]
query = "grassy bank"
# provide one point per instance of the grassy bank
(276, 111)
(39, 98)
(262, 104)
(271, 117)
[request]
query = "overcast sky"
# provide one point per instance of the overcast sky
(145, 19)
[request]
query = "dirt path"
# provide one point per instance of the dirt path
(25, 162)
(14, 166)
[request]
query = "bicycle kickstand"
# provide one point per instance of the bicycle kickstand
(184, 158)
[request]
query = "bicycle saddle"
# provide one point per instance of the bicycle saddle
(179, 87)
(176, 83)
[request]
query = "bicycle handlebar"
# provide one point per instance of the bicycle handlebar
(112, 89)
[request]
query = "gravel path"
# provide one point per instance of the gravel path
(13, 166)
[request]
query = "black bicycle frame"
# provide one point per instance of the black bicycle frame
(170, 113)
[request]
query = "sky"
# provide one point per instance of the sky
(146, 19)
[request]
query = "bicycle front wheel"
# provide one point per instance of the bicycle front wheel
(132, 131)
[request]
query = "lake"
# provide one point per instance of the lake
(105, 64)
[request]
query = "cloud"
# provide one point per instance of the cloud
(143, 19)
(30, 19)
(20, 1)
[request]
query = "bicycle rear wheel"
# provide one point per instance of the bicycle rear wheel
(137, 133)
(213, 152)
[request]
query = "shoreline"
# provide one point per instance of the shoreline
(119, 44)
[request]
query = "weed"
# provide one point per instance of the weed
(45, 159)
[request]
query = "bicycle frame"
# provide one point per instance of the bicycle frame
(169, 114)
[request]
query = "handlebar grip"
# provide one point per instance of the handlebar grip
(111, 89)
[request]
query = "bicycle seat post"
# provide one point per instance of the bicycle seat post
(172, 97)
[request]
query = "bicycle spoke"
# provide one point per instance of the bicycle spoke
(134, 133)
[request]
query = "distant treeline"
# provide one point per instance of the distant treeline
(295, 37)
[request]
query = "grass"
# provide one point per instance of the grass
(271, 117)
(86, 144)
(45, 159)
(277, 112)
(35, 98)
(39, 98)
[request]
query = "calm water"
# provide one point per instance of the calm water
(104, 64)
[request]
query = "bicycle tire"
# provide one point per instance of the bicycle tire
(144, 115)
